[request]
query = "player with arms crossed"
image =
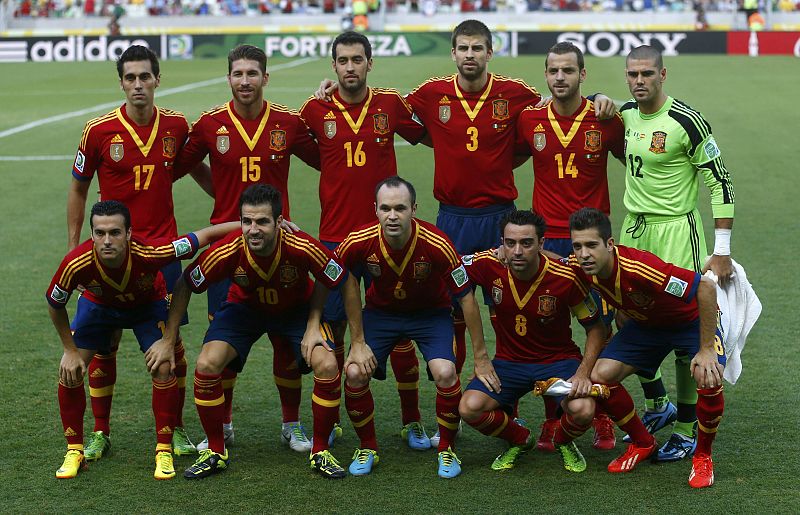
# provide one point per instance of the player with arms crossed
(668, 308)
(271, 291)
(355, 130)
(132, 151)
(532, 300)
(669, 149)
(249, 140)
(415, 273)
(124, 288)
(570, 147)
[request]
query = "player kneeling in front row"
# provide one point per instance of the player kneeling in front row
(532, 300)
(669, 308)
(124, 290)
(415, 273)
(270, 291)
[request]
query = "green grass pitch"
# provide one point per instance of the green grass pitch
(752, 106)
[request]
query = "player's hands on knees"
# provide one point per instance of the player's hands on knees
(326, 89)
(604, 107)
(722, 266)
(581, 386)
(706, 370)
(620, 319)
(362, 357)
(160, 352)
(312, 339)
(484, 371)
(71, 369)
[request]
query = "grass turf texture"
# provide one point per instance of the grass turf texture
(750, 104)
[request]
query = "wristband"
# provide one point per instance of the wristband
(722, 242)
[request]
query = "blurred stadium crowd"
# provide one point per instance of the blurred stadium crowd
(140, 8)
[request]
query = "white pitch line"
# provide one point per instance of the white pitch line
(37, 158)
(108, 105)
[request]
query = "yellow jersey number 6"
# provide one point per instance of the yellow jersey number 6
(472, 145)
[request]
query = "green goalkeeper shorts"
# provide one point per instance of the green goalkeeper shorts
(675, 239)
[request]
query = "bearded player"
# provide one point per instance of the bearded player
(355, 130)
(250, 140)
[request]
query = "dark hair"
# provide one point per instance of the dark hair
(110, 208)
(646, 52)
(565, 47)
(590, 218)
(472, 28)
(249, 52)
(352, 37)
(524, 217)
(138, 53)
(260, 194)
(396, 181)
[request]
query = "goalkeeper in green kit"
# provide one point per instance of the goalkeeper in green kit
(669, 148)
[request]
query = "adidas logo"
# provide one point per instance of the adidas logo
(94, 283)
(539, 128)
(373, 259)
(330, 116)
(498, 282)
(444, 100)
(97, 373)
(222, 130)
(166, 430)
(355, 413)
(413, 370)
(239, 271)
(70, 432)
(116, 139)
(201, 390)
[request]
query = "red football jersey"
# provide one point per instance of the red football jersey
(647, 289)
(134, 165)
(424, 274)
(137, 281)
(570, 155)
(473, 137)
(356, 145)
(244, 152)
(272, 284)
(533, 322)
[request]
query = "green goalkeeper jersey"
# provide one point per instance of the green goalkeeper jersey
(666, 153)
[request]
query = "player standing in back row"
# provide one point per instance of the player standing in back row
(669, 148)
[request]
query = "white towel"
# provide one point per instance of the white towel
(740, 309)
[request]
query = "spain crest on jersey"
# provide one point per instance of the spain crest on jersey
(659, 142)
(640, 299)
(547, 305)
(240, 277)
(145, 282)
(593, 141)
(329, 127)
(168, 145)
(422, 270)
(223, 144)
(444, 113)
(500, 109)
(117, 152)
(288, 274)
(497, 295)
(539, 141)
(277, 140)
(380, 122)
